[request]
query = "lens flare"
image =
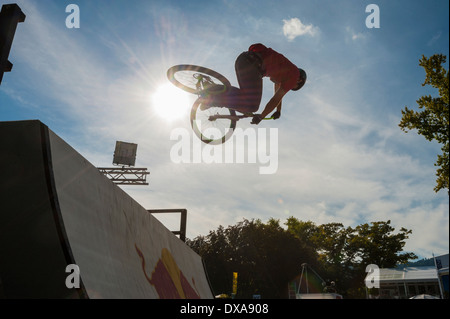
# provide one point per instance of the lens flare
(170, 103)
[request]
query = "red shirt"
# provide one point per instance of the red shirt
(277, 67)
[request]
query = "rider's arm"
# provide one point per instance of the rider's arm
(274, 102)
(276, 87)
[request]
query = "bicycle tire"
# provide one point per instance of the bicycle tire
(175, 75)
(224, 128)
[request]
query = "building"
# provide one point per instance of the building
(441, 263)
(397, 283)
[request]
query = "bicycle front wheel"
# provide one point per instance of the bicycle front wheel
(208, 128)
(191, 78)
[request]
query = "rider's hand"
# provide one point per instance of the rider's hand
(276, 115)
(256, 119)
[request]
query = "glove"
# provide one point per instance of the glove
(276, 115)
(256, 119)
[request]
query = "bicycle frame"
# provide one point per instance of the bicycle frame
(201, 80)
(234, 117)
(203, 83)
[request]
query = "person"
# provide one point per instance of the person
(251, 66)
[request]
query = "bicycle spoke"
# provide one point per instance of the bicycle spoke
(196, 79)
(213, 125)
(220, 124)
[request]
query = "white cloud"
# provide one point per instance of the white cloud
(435, 37)
(294, 28)
(355, 35)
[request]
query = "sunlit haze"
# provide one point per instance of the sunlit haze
(170, 102)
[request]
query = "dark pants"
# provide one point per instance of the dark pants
(247, 97)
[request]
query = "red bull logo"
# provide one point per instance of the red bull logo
(167, 278)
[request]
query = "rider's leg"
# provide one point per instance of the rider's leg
(246, 98)
(250, 83)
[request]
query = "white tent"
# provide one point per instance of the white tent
(424, 296)
(406, 282)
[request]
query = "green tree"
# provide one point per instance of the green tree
(265, 256)
(345, 252)
(433, 120)
(304, 231)
(378, 244)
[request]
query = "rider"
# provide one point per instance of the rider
(251, 66)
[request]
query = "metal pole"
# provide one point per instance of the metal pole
(439, 279)
(306, 276)
(406, 290)
(300, 283)
(183, 219)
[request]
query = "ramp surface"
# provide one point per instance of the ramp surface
(57, 209)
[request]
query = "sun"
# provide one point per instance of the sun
(170, 102)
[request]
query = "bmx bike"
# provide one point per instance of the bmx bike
(214, 124)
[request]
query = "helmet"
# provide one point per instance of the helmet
(301, 80)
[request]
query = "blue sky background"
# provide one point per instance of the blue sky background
(342, 156)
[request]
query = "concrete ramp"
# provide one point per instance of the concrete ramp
(58, 210)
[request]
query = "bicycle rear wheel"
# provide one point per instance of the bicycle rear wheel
(212, 131)
(196, 79)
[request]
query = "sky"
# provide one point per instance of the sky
(340, 155)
